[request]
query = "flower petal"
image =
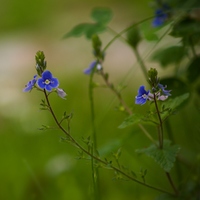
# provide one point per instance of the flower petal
(54, 82)
(40, 83)
(47, 75)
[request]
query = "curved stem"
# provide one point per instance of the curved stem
(92, 155)
(124, 31)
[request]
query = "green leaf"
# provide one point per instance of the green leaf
(77, 31)
(86, 29)
(133, 119)
(101, 15)
(193, 71)
(148, 31)
(170, 55)
(164, 157)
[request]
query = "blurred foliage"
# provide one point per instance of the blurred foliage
(36, 165)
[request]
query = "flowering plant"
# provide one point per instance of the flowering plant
(164, 98)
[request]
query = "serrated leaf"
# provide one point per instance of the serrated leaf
(101, 15)
(133, 119)
(193, 71)
(170, 55)
(164, 157)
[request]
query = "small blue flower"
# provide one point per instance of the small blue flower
(90, 68)
(29, 86)
(47, 81)
(165, 92)
(142, 96)
(160, 18)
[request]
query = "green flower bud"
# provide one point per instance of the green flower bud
(133, 37)
(152, 77)
(41, 64)
(96, 43)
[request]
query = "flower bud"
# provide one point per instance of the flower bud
(40, 62)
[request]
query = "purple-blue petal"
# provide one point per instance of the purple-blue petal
(140, 100)
(54, 82)
(47, 75)
(29, 86)
(90, 68)
(40, 83)
(142, 91)
(48, 88)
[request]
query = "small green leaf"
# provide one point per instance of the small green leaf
(148, 31)
(77, 31)
(193, 71)
(101, 15)
(87, 29)
(170, 55)
(164, 157)
(133, 119)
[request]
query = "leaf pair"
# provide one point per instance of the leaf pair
(101, 16)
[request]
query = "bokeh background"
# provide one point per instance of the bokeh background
(35, 164)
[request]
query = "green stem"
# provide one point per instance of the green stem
(160, 127)
(124, 31)
(172, 183)
(95, 157)
(95, 172)
(141, 63)
(160, 138)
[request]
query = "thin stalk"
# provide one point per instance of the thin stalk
(160, 137)
(95, 173)
(141, 63)
(160, 127)
(172, 183)
(124, 31)
(93, 156)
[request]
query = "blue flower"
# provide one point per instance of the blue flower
(142, 96)
(90, 68)
(161, 15)
(165, 92)
(47, 81)
(29, 86)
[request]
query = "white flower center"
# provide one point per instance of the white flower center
(47, 81)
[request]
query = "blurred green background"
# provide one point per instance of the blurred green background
(35, 164)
